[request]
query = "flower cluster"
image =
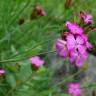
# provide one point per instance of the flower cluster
(74, 43)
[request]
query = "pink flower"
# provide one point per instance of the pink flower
(74, 42)
(74, 45)
(61, 48)
(36, 61)
(74, 28)
(77, 49)
(74, 89)
(2, 71)
(87, 18)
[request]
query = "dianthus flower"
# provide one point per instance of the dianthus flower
(2, 71)
(36, 61)
(74, 45)
(74, 89)
(87, 18)
(77, 49)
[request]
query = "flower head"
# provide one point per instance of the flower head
(74, 28)
(40, 11)
(74, 45)
(74, 41)
(36, 61)
(74, 89)
(87, 18)
(77, 49)
(2, 71)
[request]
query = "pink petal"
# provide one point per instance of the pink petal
(88, 19)
(79, 62)
(74, 28)
(39, 63)
(82, 50)
(76, 85)
(2, 71)
(73, 55)
(77, 92)
(61, 48)
(89, 45)
(70, 90)
(36, 61)
(70, 42)
(74, 89)
(85, 37)
(79, 40)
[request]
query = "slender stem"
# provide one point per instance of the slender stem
(13, 19)
(69, 78)
(32, 48)
(18, 84)
(89, 85)
(14, 60)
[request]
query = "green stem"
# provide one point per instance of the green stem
(18, 84)
(14, 60)
(69, 78)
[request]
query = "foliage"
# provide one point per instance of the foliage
(19, 42)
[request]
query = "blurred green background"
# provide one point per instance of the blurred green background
(19, 42)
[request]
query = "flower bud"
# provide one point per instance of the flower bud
(68, 3)
(37, 11)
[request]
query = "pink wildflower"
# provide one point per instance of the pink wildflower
(2, 71)
(87, 18)
(74, 42)
(74, 45)
(77, 49)
(36, 61)
(74, 28)
(61, 48)
(74, 89)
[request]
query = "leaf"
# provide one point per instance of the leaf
(10, 78)
(25, 71)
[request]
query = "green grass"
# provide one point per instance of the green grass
(20, 42)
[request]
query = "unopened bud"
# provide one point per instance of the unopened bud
(38, 11)
(68, 3)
